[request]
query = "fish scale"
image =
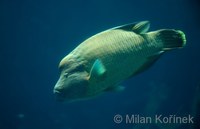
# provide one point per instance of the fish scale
(118, 45)
(101, 62)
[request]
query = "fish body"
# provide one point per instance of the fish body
(104, 60)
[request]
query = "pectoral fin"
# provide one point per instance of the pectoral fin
(117, 88)
(98, 70)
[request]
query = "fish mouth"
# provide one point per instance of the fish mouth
(56, 92)
(59, 96)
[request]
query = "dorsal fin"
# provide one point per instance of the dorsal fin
(138, 27)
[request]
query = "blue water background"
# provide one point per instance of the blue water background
(37, 34)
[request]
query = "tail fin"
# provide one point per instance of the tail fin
(172, 38)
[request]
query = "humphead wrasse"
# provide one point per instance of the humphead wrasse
(104, 60)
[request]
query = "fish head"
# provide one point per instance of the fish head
(72, 84)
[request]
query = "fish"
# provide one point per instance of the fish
(100, 63)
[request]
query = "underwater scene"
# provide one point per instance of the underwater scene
(59, 72)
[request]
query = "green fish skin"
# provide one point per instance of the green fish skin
(104, 60)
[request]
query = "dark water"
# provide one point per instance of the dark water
(35, 36)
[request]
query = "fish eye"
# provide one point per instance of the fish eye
(79, 68)
(66, 74)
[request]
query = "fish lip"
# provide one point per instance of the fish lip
(56, 92)
(58, 96)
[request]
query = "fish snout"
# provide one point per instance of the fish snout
(59, 86)
(57, 90)
(59, 94)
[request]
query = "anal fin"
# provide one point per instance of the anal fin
(117, 88)
(149, 62)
